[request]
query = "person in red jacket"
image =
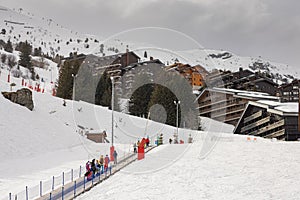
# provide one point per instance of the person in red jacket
(147, 142)
(88, 172)
(106, 162)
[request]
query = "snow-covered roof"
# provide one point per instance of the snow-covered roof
(95, 131)
(245, 93)
(287, 107)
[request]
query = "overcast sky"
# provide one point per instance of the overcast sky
(266, 28)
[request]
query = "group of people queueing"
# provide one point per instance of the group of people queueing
(146, 144)
(98, 167)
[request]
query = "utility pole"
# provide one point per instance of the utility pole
(74, 79)
(112, 148)
(177, 103)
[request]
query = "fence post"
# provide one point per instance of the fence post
(52, 183)
(63, 178)
(16, 197)
(9, 196)
(50, 196)
(74, 188)
(72, 175)
(80, 171)
(84, 184)
(26, 190)
(62, 193)
(41, 188)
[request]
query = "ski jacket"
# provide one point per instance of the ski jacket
(115, 154)
(106, 160)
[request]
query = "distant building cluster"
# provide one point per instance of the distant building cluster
(251, 101)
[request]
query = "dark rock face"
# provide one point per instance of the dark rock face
(22, 97)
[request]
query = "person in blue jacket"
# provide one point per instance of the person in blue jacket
(115, 157)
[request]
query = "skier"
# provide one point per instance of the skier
(138, 143)
(106, 162)
(147, 141)
(87, 166)
(115, 157)
(170, 140)
(88, 172)
(93, 166)
(160, 139)
(98, 167)
(101, 161)
(134, 148)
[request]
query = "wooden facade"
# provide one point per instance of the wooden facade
(242, 80)
(98, 137)
(194, 74)
(289, 92)
(227, 105)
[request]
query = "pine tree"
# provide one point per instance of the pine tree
(65, 83)
(86, 83)
(37, 51)
(164, 97)
(11, 61)
(3, 58)
(25, 59)
(101, 48)
(8, 47)
(103, 91)
(3, 31)
(138, 104)
(139, 100)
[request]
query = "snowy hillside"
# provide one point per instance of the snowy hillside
(43, 32)
(225, 60)
(47, 141)
(54, 39)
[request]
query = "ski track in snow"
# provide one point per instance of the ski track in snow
(234, 170)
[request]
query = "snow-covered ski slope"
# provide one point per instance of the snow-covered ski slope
(44, 143)
(36, 145)
(235, 169)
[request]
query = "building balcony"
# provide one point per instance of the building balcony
(216, 108)
(233, 118)
(129, 75)
(255, 124)
(253, 116)
(228, 112)
(269, 127)
(276, 134)
(209, 102)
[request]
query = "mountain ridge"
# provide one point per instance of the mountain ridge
(55, 39)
